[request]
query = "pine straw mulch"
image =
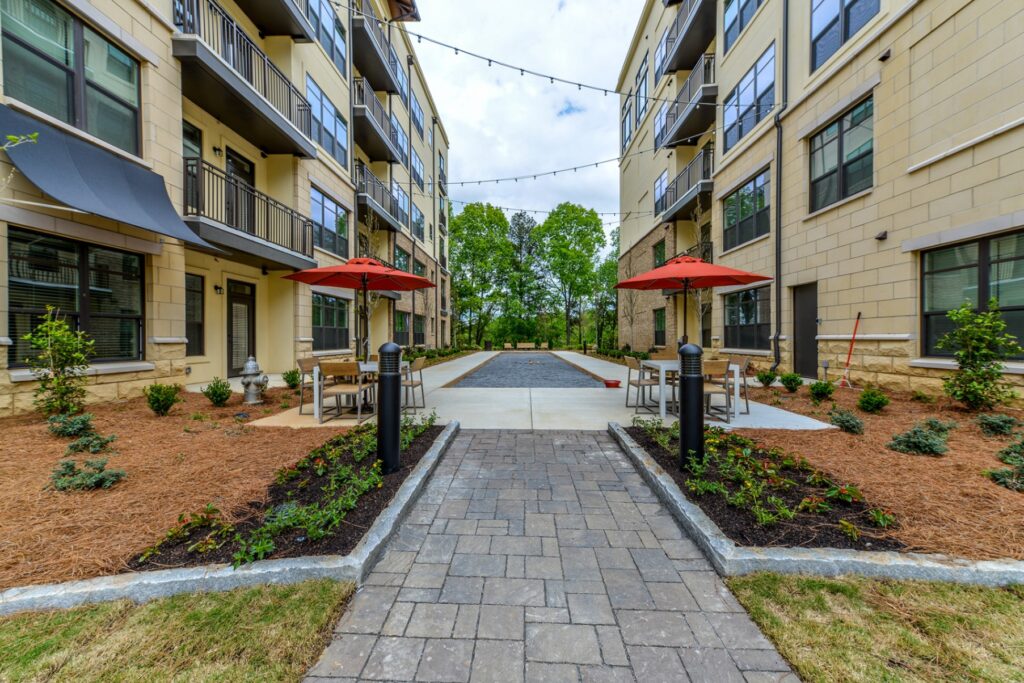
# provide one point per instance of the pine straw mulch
(174, 464)
(942, 504)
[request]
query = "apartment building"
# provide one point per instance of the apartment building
(190, 154)
(867, 155)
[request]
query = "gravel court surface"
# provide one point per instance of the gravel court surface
(522, 369)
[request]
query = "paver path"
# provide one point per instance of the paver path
(521, 369)
(544, 556)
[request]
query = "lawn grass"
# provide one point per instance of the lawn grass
(270, 633)
(857, 629)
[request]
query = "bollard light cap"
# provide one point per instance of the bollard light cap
(690, 350)
(390, 358)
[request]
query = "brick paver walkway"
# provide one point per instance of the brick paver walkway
(544, 556)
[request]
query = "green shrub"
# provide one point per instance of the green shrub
(292, 378)
(766, 377)
(847, 421)
(59, 361)
(922, 397)
(1013, 454)
(162, 397)
(218, 391)
(938, 426)
(791, 381)
(925, 438)
(872, 401)
(980, 344)
(71, 426)
(90, 443)
(996, 424)
(94, 475)
(821, 390)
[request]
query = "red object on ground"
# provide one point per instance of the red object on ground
(612, 383)
(845, 381)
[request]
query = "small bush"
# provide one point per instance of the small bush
(71, 426)
(821, 391)
(997, 425)
(218, 391)
(922, 397)
(791, 381)
(162, 397)
(872, 401)
(926, 438)
(1011, 477)
(847, 421)
(980, 344)
(292, 378)
(91, 443)
(766, 377)
(938, 426)
(61, 357)
(94, 475)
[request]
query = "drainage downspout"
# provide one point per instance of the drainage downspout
(778, 185)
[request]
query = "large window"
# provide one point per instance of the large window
(627, 121)
(660, 53)
(417, 115)
(641, 91)
(419, 328)
(401, 77)
(97, 290)
(400, 138)
(842, 157)
(660, 119)
(401, 202)
(738, 14)
(57, 64)
(660, 187)
(401, 328)
(833, 22)
(401, 259)
(419, 268)
(330, 323)
(972, 272)
(659, 327)
(659, 253)
(195, 313)
(329, 127)
(417, 169)
(329, 31)
(417, 222)
(748, 319)
(747, 211)
(751, 100)
(330, 223)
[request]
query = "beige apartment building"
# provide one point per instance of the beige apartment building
(191, 153)
(867, 155)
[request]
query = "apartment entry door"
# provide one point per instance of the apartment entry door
(240, 202)
(241, 325)
(805, 330)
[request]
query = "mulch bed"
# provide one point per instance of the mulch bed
(302, 491)
(810, 530)
(943, 504)
(174, 464)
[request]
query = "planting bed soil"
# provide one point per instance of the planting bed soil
(944, 504)
(196, 455)
(819, 529)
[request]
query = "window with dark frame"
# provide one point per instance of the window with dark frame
(417, 115)
(62, 67)
(751, 100)
(641, 91)
(659, 327)
(329, 130)
(748, 319)
(330, 223)
(401, 259)
(330, 323)
(417, 169)
(842, 156)
(660, 188)
(972, 272)
(419, 268)
(401, 328)
(419, 328)
(660, 119)
(833, 22)
(747, 211)
(417, 222)
(195, 313)
(735, 18)
(659, 253)
(400, 138)
(627, 121)
(329, 31)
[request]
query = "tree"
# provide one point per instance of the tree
(980, 344)
(571, 238)
(605, 300)
(524, 290)
(480, 253)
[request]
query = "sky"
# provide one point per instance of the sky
(502, 124)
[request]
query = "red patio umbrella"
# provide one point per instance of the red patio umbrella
(686, 273)
(362, 274)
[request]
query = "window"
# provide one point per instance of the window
(329, 31)
(641, 91)
(751, 100)
(96, 289)
(329, 127)
(973, 272)
(748, 319)
(660, 187)
(659, 124)
(401, 259)
(401, 202)
(417, 169)
(330, 223)
(330, 323)
(444, 296)
(60, 66)
(419, 327)
(194, 314)
(401, 77)
(430, 138)
(401, 328)
(842, 157)
(627, 121)
(417, 222)
(833, 22)
(738, 14)
(659, 253)
(747, 211)
(400, 138)
(419, 268)
(417, 115)
(659, 57)
(659, 327)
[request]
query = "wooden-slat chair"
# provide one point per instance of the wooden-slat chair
(306, 367)
(349, 382)
(644, 380)
(410, 383)
(716, 383)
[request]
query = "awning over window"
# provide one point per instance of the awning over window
(87, 177)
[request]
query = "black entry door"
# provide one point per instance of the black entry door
(241, 325)
(805, 329)
(240, 207)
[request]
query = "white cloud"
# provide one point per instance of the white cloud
(503, 124)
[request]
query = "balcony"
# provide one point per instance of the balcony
(442, 182)
(688, 37)
(444, 263)
(280, 18)
(377, 206)
(225, 73)
(693, 110)
(442, 223)
(256, 228)
(683, 193)
(371, 50)
(372, 125)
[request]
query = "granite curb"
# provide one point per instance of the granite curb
(145, 586)
(730, 559)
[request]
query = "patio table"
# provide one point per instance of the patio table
(370, 366)
(664, 366)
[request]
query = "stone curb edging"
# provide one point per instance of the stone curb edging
(144, 586)
(730, 559)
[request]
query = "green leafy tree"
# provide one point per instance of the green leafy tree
(525, 296)
(60, 359)
(480, 252)
(980, 344)
(605, 300)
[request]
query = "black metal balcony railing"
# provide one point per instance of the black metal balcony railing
(442, 182)
(211, 193)
(366, 98)
(377, 32)
(367, 183)
(703, 73)
(702, 167)
(703, 250)
(215, 27)
(444, 261)
(672, 32)
(417, 177)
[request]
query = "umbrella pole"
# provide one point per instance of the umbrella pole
(686, 310)
(366, 325)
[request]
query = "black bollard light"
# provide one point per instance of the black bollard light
(691, 406)
(389, 406)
